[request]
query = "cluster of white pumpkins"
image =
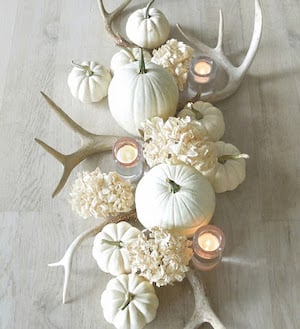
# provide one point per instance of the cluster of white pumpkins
(138, 90)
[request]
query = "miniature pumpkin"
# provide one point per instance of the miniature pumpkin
(148, 27)
(209, 117)
(126, 56)
(230, 169)
(174, 197)
(89, 81)
(109, 247)
(137, 93)
(129, 302)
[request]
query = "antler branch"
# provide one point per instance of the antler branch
(203, 312)
(235, 74)
(66, 261)
(108, 20)
(91, 144)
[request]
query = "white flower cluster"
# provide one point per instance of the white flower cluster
(99, 195)
(178, 140)
(175, 57)
(159, 256)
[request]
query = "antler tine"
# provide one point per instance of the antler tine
(219, 45)
(66, 119)
(203, 312)
(235, 74)
(91, 144)
(256, 36)
(108, 19)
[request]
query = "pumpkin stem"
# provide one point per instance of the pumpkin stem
(198, 115)
(148, 8)
(129, 298)
(223, 158)
(85, 68)
(113, 243)
(173, 187)
(142, 62)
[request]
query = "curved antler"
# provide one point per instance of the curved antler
(91, 144)
(108, 19)
(235, 74)
(203, 312)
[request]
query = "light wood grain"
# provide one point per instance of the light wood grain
(257, 284)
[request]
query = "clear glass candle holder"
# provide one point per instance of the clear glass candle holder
(128, 158)
(208, 247)
(202, 74)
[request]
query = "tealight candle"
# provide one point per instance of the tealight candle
(127, 154)
(208, 246)
(203, 69)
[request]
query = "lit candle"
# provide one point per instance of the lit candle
(202, 69)
(208, 242)
(208, 246)
(127, 153)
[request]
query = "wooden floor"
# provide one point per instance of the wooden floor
(258, 283)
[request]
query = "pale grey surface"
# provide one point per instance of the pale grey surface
(257, 285)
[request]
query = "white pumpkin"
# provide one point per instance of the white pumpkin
(137, 93)
(148, 27)
(126, 56)
(129, 302)
(89, 81)
(230, 169)
(109, 247)
(208, 116)
(174, 197)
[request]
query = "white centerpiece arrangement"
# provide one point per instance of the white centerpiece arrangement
(187, 164)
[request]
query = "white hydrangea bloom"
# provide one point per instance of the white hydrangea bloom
(175, 57)
(159, 256)
(100, 195)
(178, 140)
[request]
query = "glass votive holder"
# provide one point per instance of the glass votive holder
(202, 73)
(208, 246)
(128, 158)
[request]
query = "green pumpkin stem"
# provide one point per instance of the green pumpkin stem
(223, 158)
(198, 115)
(113, 243)
(173, 187)
(129, 298)
(148, 8)
(83, 68)
(142, 62)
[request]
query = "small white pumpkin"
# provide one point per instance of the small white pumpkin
(129, 302)
(89, 81)
(109, 247)
(230, 169)
(148, 27)
(208, 116)
(174, 197)
(137, 93)
(126, 56)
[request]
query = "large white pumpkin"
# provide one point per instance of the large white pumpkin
(137, 93)
(175, 197)
(129, 302)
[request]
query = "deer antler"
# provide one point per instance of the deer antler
(235, 74)
(66, 261)
(91, 144)
(203, 312)
(108, 19)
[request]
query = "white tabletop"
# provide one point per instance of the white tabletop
(257, 284)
